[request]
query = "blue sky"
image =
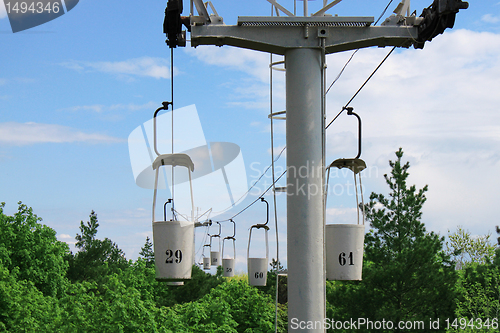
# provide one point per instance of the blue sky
(73, 89)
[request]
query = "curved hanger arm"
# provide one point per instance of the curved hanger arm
(165, 209)
(164, 107)
(234, 231)
(350, 112)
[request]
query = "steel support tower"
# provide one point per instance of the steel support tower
(305, 41)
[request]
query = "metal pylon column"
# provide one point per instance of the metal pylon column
(305, 179)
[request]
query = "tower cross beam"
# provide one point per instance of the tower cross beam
(279, 34)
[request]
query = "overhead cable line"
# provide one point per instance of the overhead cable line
(361, 88)
(383, 12)
(274, 192)
(341, 71)
(371, 75)
(258, 198)
(254, 184)
(352, 55)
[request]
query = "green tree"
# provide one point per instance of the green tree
(142, 278)
(96, 258)
(24, 308)
(478, 285)
(147, 253)
(199, 285)
(33, 250)
(406, 274)
(465, 248)
(411, 277)
(479, 294)
(238, 303)
(497, 252)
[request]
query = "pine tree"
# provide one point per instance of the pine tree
(408, 274)
(96, 258)
(147, 253)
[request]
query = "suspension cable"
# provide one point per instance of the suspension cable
(274, 193)
(260, 196)
(383, 12)
(344, 108)
(371, 75)
(362, 86)
(341, 71)
(172, 123)
(256, 182)
(352, 55)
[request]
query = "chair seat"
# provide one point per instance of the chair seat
(174, 160)
(356, 165)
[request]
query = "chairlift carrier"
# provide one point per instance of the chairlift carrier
(215, 255)
(206, 260)
(228, 263)
(257, 267)
(344, 242)
(173, 240)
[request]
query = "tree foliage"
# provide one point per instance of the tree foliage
(96, 258)
(97, 290)
(32, 250)
(407, 275)
(478, 286)
(410, 273)
(465, 248)
(147, 253)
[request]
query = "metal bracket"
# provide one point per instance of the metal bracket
(402, 16)
(203, 16)
(322, 11)
(280, 7)
(404, 6)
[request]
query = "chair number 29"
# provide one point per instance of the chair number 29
(343, 260)
(171, 255)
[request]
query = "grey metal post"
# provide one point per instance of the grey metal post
(305, 230)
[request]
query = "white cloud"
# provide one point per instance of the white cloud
(157, 68)
(134, 107)
(65, 236)
(251, 62)
(95, 108)
(252, 92)
(99, 108)
(488, 18)
(19, 134)
(433, 93)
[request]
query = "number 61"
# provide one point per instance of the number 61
(343, 260)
